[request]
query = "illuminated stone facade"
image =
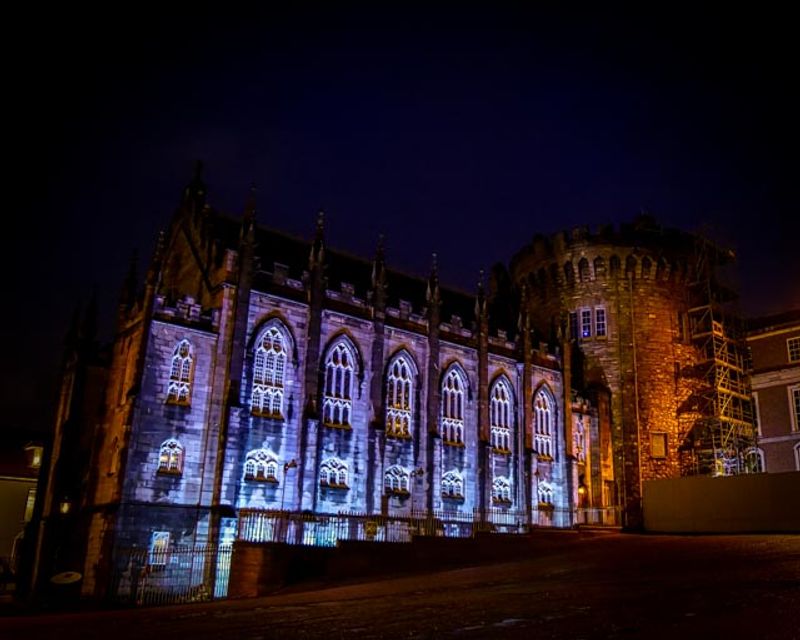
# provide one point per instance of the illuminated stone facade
(619, 296)
(259, 371)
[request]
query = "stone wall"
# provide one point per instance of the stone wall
(644, 360)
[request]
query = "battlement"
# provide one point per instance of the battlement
(641, 250)
(186, 311)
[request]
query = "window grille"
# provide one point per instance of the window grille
(337, 402)
(261, 465)
(269, 369)
(500, 412)
(543, 427)
(453, 408)
(545, 493)
(399, 398)
(452, 485)
(159, 548)
(600, 322)
(170, 457)
(793, 346)
(180, 375)
(333, 474)
(586, 323)
(501, 489)
(396, 480)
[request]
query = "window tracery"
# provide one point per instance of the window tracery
(180, 376)
(452, 407)
(269, 370)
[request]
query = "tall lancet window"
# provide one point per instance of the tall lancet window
(179, 388)
(399, 398)
(337, 401)
(453, 408)
(269, 370)
(500, 416)
(543, 425)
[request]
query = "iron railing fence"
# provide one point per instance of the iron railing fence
(327, 530)
(598, 516)
(183, 574)
(174, 575)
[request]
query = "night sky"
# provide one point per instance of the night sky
(462, 131)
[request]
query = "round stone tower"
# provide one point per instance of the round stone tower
(624, 302)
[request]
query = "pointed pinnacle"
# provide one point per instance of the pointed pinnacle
(250, 205)
(381, 245)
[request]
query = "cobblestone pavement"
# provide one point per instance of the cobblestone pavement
(576, 586)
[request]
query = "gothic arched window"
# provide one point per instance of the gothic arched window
(180, 375)
(646, 266)
(754, 459)
(584, 272)
(333, 474)
(399, 397)
(396, 480)
(543, 424)
(545, 493)
(170, 457)
(452, 408)
(261, 465)
(630, 267)
(452, 485)
(599, 267)
(269, 370)
(501, 490)
(500, 415)
(579, 440)
(337, 401)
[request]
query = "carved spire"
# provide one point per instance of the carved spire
(317, 255)
(154, 271)
(432, 293)
(249, 217)
(522, 318)
(194, 195)
(480, 298)
(379, 264)
(379, 277)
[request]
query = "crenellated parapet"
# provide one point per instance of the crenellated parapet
(642, 250)
(186, 312)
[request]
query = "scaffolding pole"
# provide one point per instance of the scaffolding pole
(721, 441)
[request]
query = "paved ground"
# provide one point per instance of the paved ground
(570, 586)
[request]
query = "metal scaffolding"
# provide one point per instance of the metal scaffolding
(721, 441)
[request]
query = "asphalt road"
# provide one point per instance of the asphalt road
(568, 586)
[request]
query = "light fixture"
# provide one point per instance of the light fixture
(65, 506)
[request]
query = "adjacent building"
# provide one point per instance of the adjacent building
(774, 343)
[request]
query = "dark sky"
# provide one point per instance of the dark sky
(458, 130)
